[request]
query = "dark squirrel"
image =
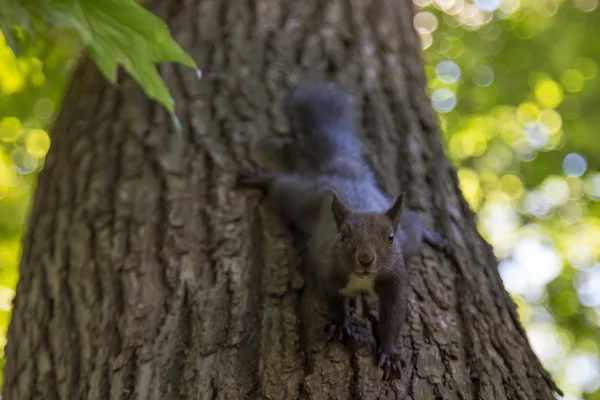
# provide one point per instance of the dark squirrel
(358, 238)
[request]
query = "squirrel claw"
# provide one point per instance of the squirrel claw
(392, 367)
(342, 331)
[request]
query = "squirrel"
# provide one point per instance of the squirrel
(358, 238)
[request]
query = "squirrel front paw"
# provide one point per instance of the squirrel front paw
(390, 362)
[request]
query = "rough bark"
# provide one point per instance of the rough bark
(145, 275)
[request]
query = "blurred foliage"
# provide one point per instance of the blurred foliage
(114, 32)
(516, 85)
(30, 90)
(514, 82)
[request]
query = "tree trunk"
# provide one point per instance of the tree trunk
(146, 275)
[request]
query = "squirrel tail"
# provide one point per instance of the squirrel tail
(321, 116)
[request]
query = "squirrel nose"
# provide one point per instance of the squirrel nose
(365, 259)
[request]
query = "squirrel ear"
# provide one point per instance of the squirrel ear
(395, 211)
(339, 209)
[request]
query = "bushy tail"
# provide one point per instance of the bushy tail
(321, 117)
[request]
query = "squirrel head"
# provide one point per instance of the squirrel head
(367, 240)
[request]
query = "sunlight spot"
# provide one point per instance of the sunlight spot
(445, 4)
(555, 190)
(11, 78)
(525, 150)
(576, 187)
(469, 184)
(532, 266)
(425, 22)
(579, 255)
(509, 6)
(9, 176)
(525, 28)
(10, 129)
(489, 182)
(572, 80)
(548, 8)
(586, 5)
(548, 93)
(445, 45)
(455, 8)
(500, 221)
(536, 133)
(546, 343)
(551, 119)
(38, 78)
(571, 212)
(536, 204)
(37, 143)
(471, 16)
(457, 50)
(479, 141)
(574, 164)
(498, 158)
(555, 142)
(583, 370)
(487, 5)
(483, 76)
(422, 3)
(43, 108)
(23, 160)
(587, 283)
(426, 40)
(512, 186)
(457, 146)
(443, 100)
(9, 253)
(592, 186)
(527, 112)
(587, 67)
(6, 297)
(447, 71)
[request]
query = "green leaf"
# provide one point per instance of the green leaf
(121, 32)
(14, 16)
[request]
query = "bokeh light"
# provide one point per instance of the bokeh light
(548, 93)
(447, 71)
(574, 164)
(586, 5)
(37, 143)
(43, 108)
(523, 140)
(10, 129)
(443, 100)
(31, 86)
(483, 76)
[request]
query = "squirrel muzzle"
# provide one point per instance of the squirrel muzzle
(365, 262)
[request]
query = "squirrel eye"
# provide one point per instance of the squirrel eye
(391, 237)
(342, 236)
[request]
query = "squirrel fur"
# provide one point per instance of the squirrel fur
(359, 238)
